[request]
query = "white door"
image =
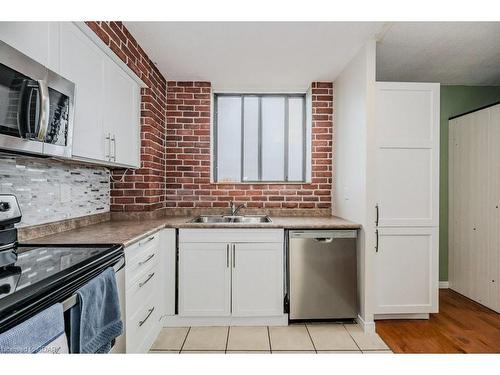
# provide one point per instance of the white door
(204, 279)
(257, 279)
(407, 194)
(37, 40)
(474, 197)
(406, 265)
(82, 62)
(121, 115)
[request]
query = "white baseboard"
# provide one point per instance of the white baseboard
(368, 327)
(444, 284)
(401, 316)
(187, 321)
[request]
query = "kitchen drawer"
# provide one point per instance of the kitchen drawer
(140, 256)
(142, 289)
(142, 327)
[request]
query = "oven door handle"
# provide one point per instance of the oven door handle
(43, 120)
(119, 266)
(71, 301)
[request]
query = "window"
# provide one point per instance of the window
(260, 138)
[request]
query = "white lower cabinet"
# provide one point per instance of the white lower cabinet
(148, 283)
(204, 279)
(230, 273)
(406, 271)
(257, 284)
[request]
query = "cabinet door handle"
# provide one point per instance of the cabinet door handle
(150, 311)
(146, 241)
(147, 259)
(376, 214)
(147, 280)
(227, 255)
(113, 140)
(376, 240)
(234, 256)
(108, 142)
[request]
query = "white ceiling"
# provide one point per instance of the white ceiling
(466, 53)
(262, 56)
(267, 56)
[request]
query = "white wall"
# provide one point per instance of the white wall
(352, 162)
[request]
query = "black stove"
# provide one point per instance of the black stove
(33, 277)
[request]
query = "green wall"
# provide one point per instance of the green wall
(455, 100)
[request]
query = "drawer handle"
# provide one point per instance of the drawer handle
(146, 281)
(150, 311)
(148, 240)
(147, 259)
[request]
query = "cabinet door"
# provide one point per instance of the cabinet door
(257, 288)
(406, 271)
(204, 279)
(407, 123)
(82, 62)
(121, 115)
(37, 40)
(167, 271)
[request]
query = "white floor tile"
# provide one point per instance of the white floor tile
(293, 337)
(331, 337)
(170, 339)
(248, 338)
(206, 338)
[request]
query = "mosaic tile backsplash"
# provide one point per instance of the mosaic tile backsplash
(50, 190)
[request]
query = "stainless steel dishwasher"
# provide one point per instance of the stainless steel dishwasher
(323, 277)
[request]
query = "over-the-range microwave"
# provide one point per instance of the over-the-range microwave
(36, 107)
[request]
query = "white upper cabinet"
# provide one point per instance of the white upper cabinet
(82, 62)
(38, 40)
(407, 120)
(121, 115)
(106, 127)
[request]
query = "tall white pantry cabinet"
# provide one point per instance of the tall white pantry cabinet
(407, 199)
(474, 205)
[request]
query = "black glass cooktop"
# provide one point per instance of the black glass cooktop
(44, 274)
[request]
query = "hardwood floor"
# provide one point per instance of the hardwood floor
(461, 326)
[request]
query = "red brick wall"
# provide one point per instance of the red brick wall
(188, 156)
(144, 188)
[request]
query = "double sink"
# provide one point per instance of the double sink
(229, 219)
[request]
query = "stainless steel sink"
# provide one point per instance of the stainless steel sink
(247, 219)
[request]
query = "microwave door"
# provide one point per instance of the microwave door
(19, 112)
(59, 130)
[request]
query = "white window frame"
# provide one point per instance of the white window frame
(307, 131)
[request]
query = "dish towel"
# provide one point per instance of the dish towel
(96, 319)
(42, 333)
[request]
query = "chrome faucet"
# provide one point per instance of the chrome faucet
(234, 210)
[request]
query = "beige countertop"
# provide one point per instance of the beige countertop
(127, 232)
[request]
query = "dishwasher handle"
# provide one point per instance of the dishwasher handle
(324, 239)
(325, 236)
